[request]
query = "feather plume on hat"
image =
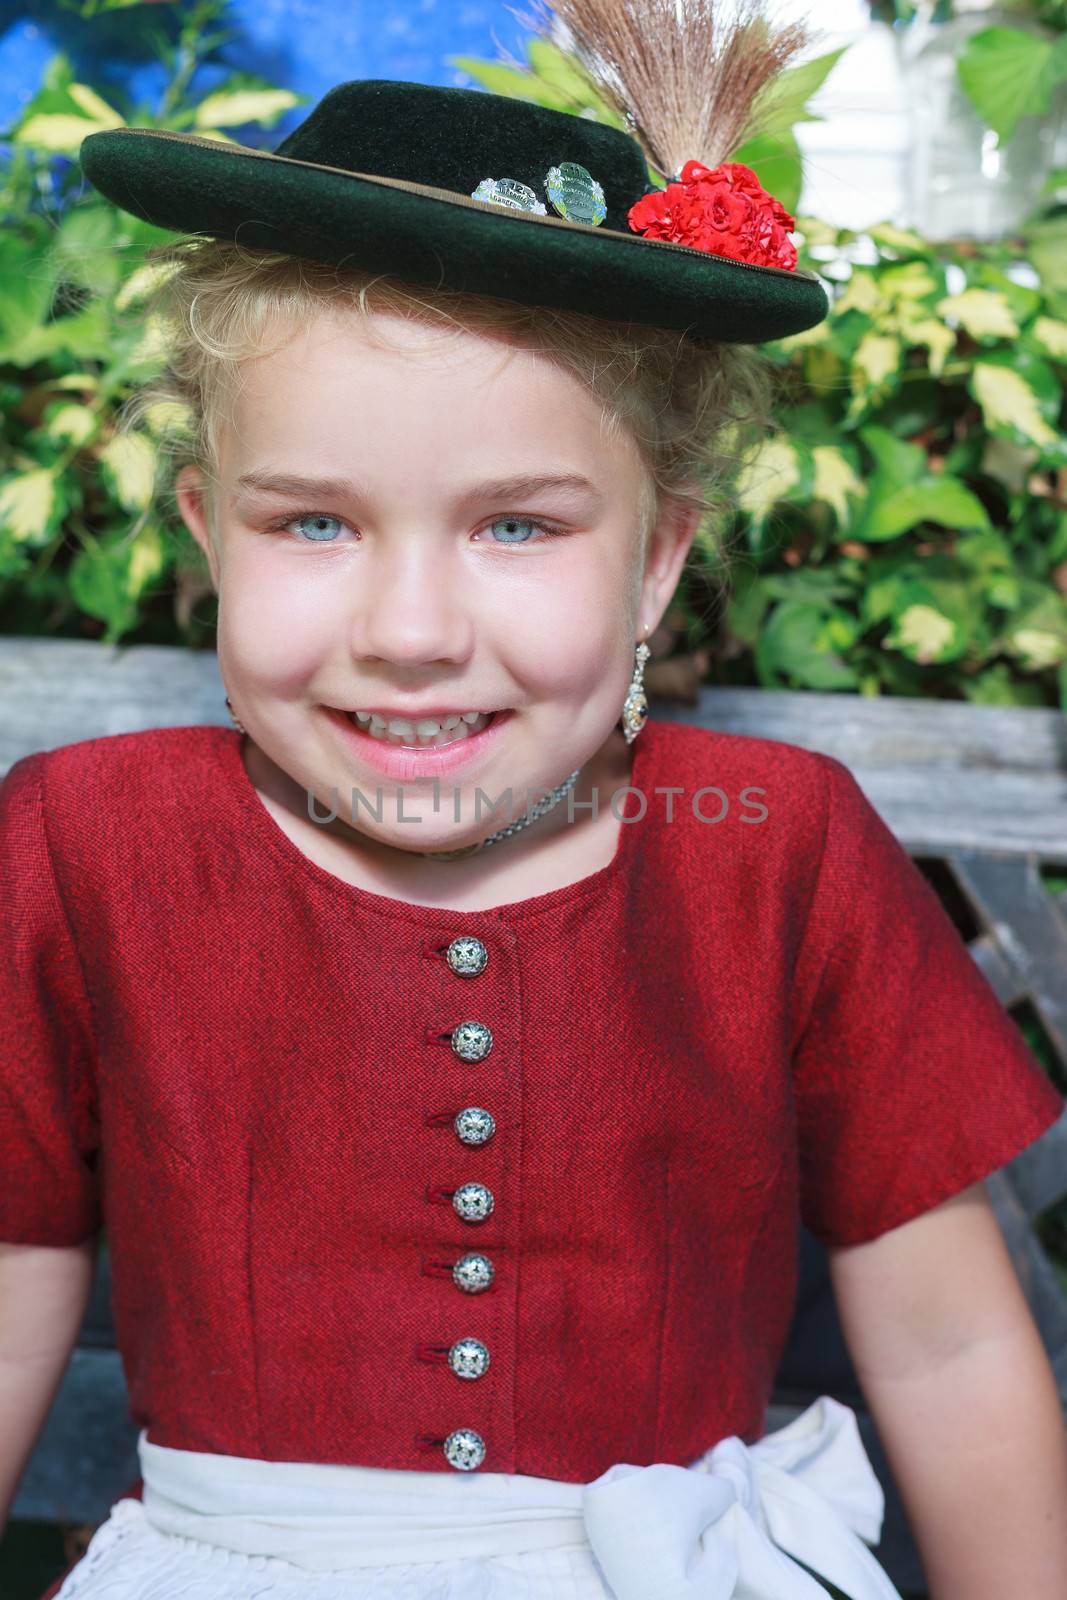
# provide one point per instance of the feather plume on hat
(689, 77)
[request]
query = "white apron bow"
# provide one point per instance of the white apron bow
(703, 1532)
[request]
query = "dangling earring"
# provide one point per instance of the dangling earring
(237, 725)
(635, 706)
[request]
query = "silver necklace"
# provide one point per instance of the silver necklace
(536, 811)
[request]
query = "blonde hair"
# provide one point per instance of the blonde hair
(691, 407)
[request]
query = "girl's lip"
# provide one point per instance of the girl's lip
(429, 761)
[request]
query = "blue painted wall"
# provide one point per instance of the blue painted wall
(306, 45)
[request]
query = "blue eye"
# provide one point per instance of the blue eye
(512, 523)
(321, 535)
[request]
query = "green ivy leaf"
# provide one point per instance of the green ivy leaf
(25, 294)
(87, 334)
(1050, 335)
(510, 81)
(821, 584)
(83, 250)
(1020, 398)
(985, 552)
(747, 605)
(982, 312)
(910, 280)
(794, 645)
(939, 340)
(1047, 251)
(128, 467)
(62, 113)
(886, 575)
(934, 498)
(932, 621)
(779, 469)
(1006, 74)
(861, 293)
(1023, 301)
(233, 106)
(900, 461)
(950, 503)
(1038, 636)
(924, 633)
(31, 505)
(900, 240)
(836, 481)
(148, 560)
(99, 583)
(562, 72)
(876, 362)
(68, 423)
(784, 101)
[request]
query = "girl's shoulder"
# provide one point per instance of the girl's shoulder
(95, 799)
(715, 774)
(124, 762)
(698, 750)
(143, 754)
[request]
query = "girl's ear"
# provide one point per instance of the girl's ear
(668, 545)
(190, 490)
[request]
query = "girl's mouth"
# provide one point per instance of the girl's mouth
(430, 733)
(411, 755)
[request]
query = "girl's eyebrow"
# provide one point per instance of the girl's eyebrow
(291, 485)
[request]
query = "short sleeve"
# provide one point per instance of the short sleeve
(911, 1080)
(48, 1117)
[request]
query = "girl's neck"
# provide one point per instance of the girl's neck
(548, 854)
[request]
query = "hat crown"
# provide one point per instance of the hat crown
(453, 138)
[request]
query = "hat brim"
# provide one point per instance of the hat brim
(430, 236)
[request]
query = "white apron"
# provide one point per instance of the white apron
(217, 1527)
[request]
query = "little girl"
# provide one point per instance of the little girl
(452, 1115)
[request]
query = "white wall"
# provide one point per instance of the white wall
(855, 161)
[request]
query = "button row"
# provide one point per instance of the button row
(468, 1358)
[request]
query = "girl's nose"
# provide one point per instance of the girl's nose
(412, 607)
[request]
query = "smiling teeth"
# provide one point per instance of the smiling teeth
(424, 731)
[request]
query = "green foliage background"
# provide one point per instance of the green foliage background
(903, 530)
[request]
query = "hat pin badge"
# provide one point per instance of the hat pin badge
(573, 191)
(508, 192)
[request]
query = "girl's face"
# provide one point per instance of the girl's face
(437, 528)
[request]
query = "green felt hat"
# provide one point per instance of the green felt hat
(381, 175)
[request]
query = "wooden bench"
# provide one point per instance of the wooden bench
(977, 794)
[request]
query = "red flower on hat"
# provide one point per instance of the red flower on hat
(724, 209)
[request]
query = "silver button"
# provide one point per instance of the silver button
(467, 956)
(468, 1358)
(471, 1041)
(473, 1202)
(465, 1449)
(473, 1125)
(473, 1272)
